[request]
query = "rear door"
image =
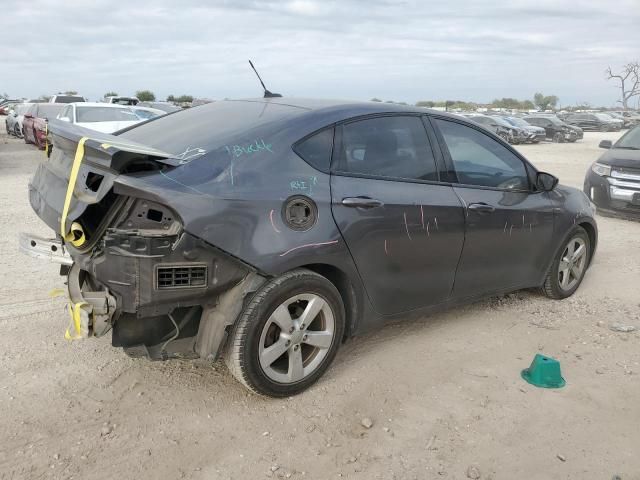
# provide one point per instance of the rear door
(403, 227)
(509, 226)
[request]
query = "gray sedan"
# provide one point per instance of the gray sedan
(266, 231)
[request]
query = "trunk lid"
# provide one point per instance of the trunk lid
(99, 159)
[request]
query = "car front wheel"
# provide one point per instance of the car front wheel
(569, 266)
(287, 335)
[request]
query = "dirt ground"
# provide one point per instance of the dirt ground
(444, 394)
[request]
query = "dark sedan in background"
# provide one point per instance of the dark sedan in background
(534, 134)
(593, 121)
(34, 125)
(266, 231)
(613, 181)
(555, 129)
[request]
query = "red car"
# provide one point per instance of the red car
(35, 122)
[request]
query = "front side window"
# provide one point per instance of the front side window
(480, 160)
(393, 146)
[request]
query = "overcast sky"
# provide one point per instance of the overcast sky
(398, 50)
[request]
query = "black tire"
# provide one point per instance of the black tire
(558, 137)
(16, 130)
(551, 286)
(242, 351)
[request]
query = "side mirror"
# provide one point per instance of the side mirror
(28, 115)
(605, 144)
(546, 182)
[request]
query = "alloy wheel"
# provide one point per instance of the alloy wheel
(572, 263)
(296, 338)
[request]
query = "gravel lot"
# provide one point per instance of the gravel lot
(444, 394)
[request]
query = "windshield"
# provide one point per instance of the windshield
(104, 114)
(631, 139)
(555, 120)
(501, 121)
(603, 116)
(68, 99)
(166, 107)
(144, 114)
(518, 122)
(48, 111)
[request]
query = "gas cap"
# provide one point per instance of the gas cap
(299, 213)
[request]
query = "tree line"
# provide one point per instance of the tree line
(539, 101)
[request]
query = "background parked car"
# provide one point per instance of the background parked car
(15, 119)
(626, 122)
(592, 121)
(4, 103)
(613, 181)
(122, 100)
(103, 117)
(66, 99)
(633, 118)
(165, 106)
(619, 119)
(534, 134)
(555, 129)
(7, 107)
(500, 127)
(34, 125)
(146, 113)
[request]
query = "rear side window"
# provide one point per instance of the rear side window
(394, 146)
(316, 150)
(480, 160)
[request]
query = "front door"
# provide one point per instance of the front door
(509, 226)
(404, 229)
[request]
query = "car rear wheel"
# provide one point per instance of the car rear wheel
(287, 335)
(16, 130)
(569, 266)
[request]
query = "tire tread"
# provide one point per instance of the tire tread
(234, 352)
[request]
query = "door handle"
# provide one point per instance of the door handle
(481, 208)
(361, 202)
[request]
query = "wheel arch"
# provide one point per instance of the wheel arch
(593, 238)
(344, 285)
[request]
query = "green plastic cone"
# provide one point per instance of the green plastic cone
(544, 372)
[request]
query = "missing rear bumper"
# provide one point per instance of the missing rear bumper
(47, 249)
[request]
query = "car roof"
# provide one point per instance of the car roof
(337, 107)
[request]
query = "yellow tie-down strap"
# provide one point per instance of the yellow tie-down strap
(80, 314)
(76, 234)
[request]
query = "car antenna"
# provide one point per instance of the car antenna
(267, 93)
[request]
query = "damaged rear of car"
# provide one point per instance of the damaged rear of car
(164, 230)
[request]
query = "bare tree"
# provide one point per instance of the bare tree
(629, 79)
